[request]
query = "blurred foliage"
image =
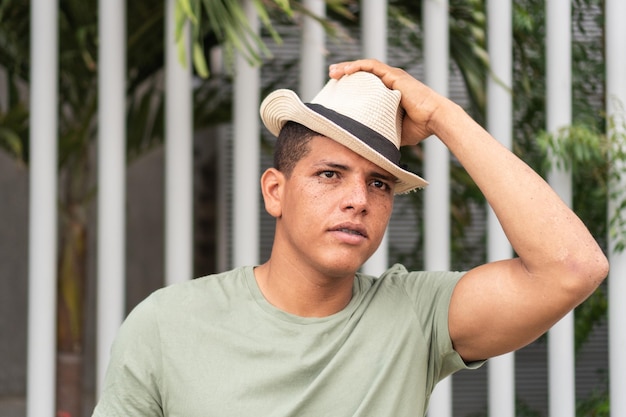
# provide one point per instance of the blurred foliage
(522, 409)
(78, 75)
(228, 22)
(597, 404)
(595, 159)
(467, 20)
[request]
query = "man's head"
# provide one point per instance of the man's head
(331, 205)
(358, 111)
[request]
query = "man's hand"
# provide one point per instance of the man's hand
(419, 101)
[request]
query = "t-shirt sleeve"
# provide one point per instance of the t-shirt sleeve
(431, 293)
(133, 378)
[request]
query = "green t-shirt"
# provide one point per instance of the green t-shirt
(214, 346)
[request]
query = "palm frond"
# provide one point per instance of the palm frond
(227, 21)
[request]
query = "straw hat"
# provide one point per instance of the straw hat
(358, 111)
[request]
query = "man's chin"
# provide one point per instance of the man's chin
(341, 268)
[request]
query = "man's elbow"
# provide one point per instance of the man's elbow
(588, 272)
(599, 269)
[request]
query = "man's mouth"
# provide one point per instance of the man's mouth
(351, 229)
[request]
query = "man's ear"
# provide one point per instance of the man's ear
(272, 182)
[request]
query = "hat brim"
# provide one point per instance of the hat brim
(284, 105)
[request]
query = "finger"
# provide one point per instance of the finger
(340, 69)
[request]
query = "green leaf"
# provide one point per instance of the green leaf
(199, 60)
(265, 19)
(185, 7)
(11, 142)
(283, 5)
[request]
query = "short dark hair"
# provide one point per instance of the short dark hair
(291, 146)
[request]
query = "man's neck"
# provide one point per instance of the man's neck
(305, 294)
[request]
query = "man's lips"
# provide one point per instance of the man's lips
(351, 229)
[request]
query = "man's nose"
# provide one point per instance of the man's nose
(357, 197)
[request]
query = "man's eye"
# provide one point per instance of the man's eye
(381, 184)
(328, 174)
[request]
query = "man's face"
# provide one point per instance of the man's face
(334, 209)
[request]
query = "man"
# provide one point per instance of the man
(305, 334)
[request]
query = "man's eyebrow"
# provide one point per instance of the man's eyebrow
(383, 176)
(334, 165)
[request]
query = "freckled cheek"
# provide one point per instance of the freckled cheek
(387, 214)
(382, 223)
(384, 207)
(380, 213)
(310, 203)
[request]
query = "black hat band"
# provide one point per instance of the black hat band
(365, 134)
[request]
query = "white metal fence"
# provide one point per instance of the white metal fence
(111, 237)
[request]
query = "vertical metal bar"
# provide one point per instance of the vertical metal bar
(437, 156)
(111, 178)
(437, 171)
(178, 156)
(246, 156)
(42, 277)
(615, 13)
(313, 46)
